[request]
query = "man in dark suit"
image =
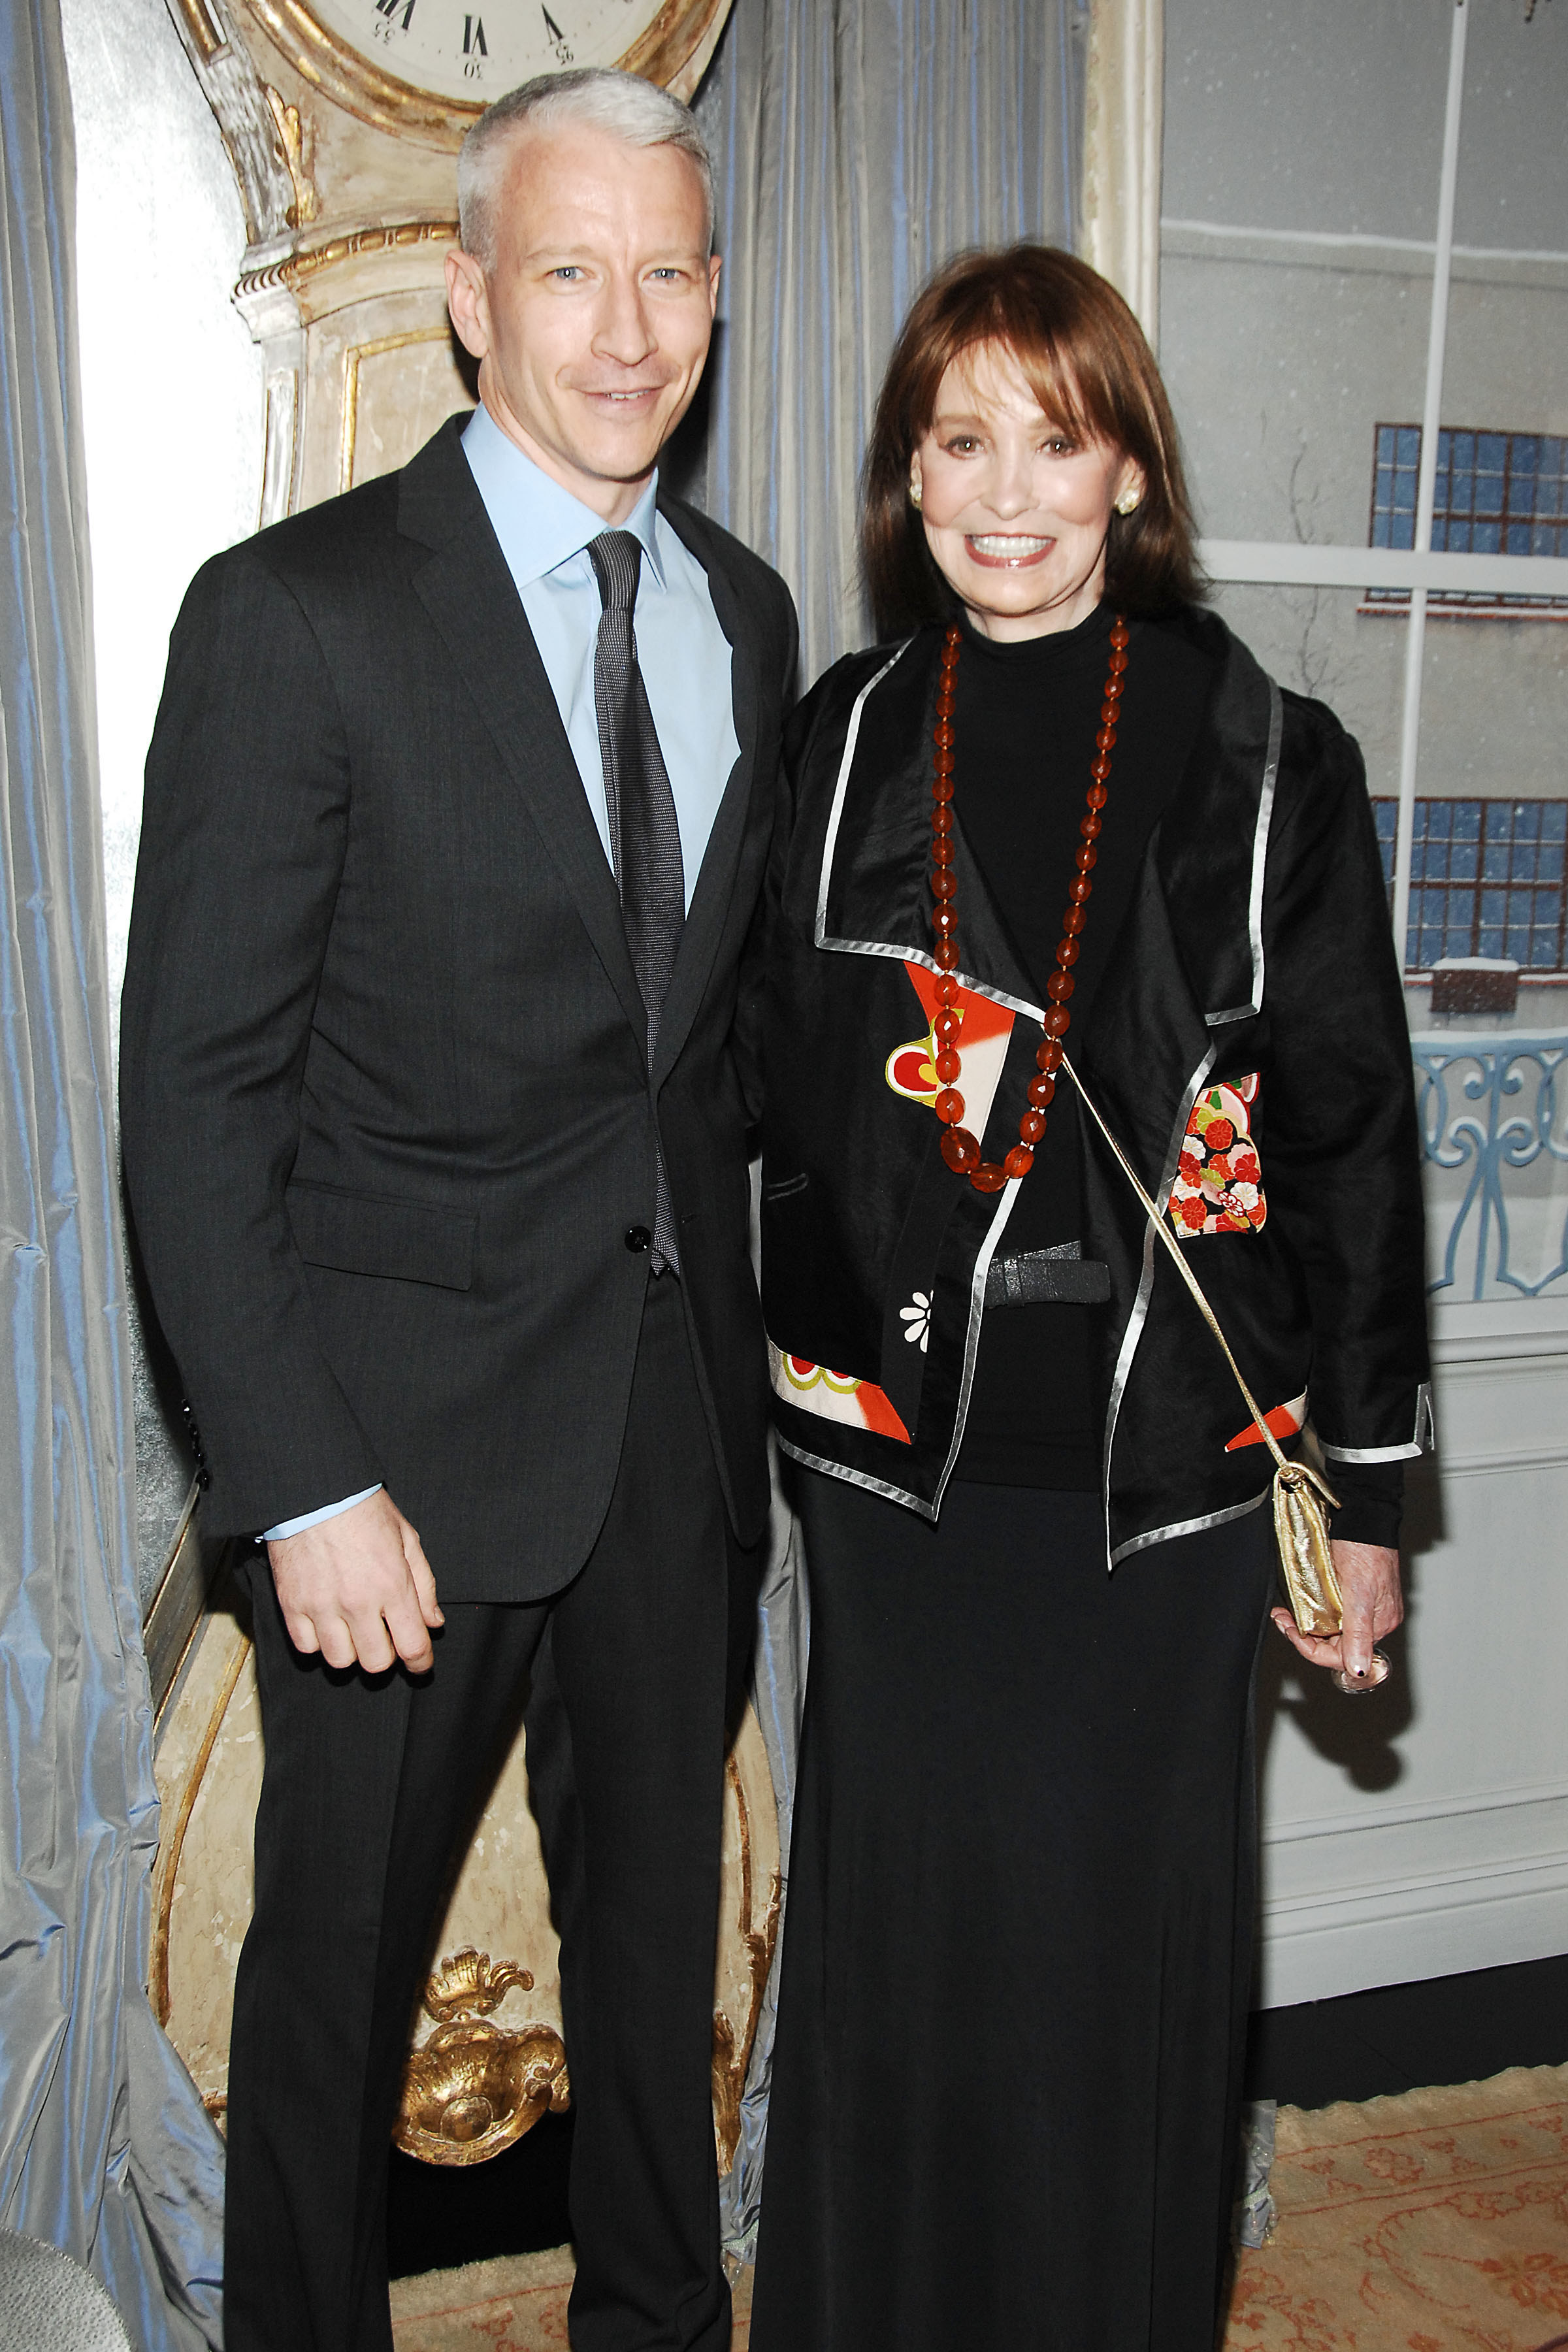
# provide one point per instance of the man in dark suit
(434, 1112)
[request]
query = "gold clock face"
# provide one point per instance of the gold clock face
(429, 67)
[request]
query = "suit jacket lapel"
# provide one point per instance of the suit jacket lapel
(712, 897)
(469, 594)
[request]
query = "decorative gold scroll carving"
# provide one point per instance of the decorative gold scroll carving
(473, 2088)
(731, 2057)
(676, 45)
(204, 28)
(295, 268)
(291, 148)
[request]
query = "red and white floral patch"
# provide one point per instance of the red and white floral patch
(1219, 1184)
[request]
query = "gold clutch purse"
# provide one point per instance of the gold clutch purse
(1301, 1524)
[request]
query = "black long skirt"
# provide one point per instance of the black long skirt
(1018, 1940)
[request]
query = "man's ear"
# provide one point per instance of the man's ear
(468, 300)
(715, 265)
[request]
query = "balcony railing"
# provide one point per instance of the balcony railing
(1494, 1124)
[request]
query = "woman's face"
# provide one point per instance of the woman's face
(1015, 508)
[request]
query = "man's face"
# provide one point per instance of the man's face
(592, 329)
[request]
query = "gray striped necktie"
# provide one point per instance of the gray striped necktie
(644, 834)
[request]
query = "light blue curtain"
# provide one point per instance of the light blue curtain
(105, 2150)
(860, 144)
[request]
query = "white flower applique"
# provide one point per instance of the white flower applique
(916, 1320)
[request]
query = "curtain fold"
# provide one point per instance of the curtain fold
(105, 2150)
(859, 144)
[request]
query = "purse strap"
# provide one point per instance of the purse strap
(1281, 1461)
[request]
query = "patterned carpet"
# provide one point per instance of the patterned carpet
(1434, 2222)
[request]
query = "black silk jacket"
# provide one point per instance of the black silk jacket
(1248, 1046)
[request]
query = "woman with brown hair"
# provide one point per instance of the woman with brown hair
(1061, 828)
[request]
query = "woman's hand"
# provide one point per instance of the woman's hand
(1373, 1605)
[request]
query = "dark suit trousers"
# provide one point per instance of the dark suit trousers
(626, 1678)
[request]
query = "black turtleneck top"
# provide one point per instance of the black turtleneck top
(1024, 721)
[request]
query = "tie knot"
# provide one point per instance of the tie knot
(617, 557)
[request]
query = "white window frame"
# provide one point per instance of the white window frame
(1281, 563)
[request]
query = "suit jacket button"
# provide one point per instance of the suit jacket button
(638, 1238)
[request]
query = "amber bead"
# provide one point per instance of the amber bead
(947, 991)
(944, 923)
(945, 1025)
(944, 705)
(960, 1151)
(1079, 890)
(943, 882)
(1073, 921)
(1042, 1092)
(1118, 660)
(1100, 767)
(945, 955)
(944, 736)
(941, 850)
(1086, 854)
(1106, 739)
(1048, 1055)
(1113, 686)
(1018, 1162)
(1096, 796)
(989, 1177)
(942, 765)
(1067, 953)
(947, 1066)
(1058, 1022)
(1032, 1125)
(1088, 827)
(948, 1107)
(1109, 715)
(942, 817)
(1061, 986)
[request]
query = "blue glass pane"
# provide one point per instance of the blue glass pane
(1463, 859)
(1549, 866)
(1517, 942)
(1527, 820)
(1494, 866)
(1543, 951)
(1494, 907)
(1409, 444)
(1554, 821)
(1492, 452)
(1439, 817)
(1524, 861)
(1525, 455)
(1519, 537)
(1455, 535)
(1384, 445)
(1484, 538)
(1466, 820)
(1491, 943)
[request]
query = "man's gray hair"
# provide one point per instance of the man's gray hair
(621, 103)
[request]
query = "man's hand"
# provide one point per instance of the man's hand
(358, 1588)
(1373, 1605)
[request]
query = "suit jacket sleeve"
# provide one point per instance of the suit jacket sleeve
(1343, 1161)
(245, 828)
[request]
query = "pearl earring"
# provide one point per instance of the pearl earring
(1126, 503)
(914, 491)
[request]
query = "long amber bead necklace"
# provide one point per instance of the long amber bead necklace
(958, 1148)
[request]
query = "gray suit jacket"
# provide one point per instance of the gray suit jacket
(386, 1115)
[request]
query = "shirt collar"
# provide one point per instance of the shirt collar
(540, 525)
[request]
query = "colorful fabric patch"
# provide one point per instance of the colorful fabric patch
(835, 1396)
(1219, 1184)
(1285, 1421)
(910, 1070)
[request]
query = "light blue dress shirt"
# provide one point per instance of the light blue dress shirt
(683, 654)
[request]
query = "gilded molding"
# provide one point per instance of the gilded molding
(291, 269)
(158, 1972)
(353, 357)
(205, 30)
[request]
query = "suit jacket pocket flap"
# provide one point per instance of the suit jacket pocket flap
(358, 1234)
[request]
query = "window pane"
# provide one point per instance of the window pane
(1301, 150)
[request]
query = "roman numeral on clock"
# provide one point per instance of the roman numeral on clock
(474, 42)
(551, 26)
(389, 9)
